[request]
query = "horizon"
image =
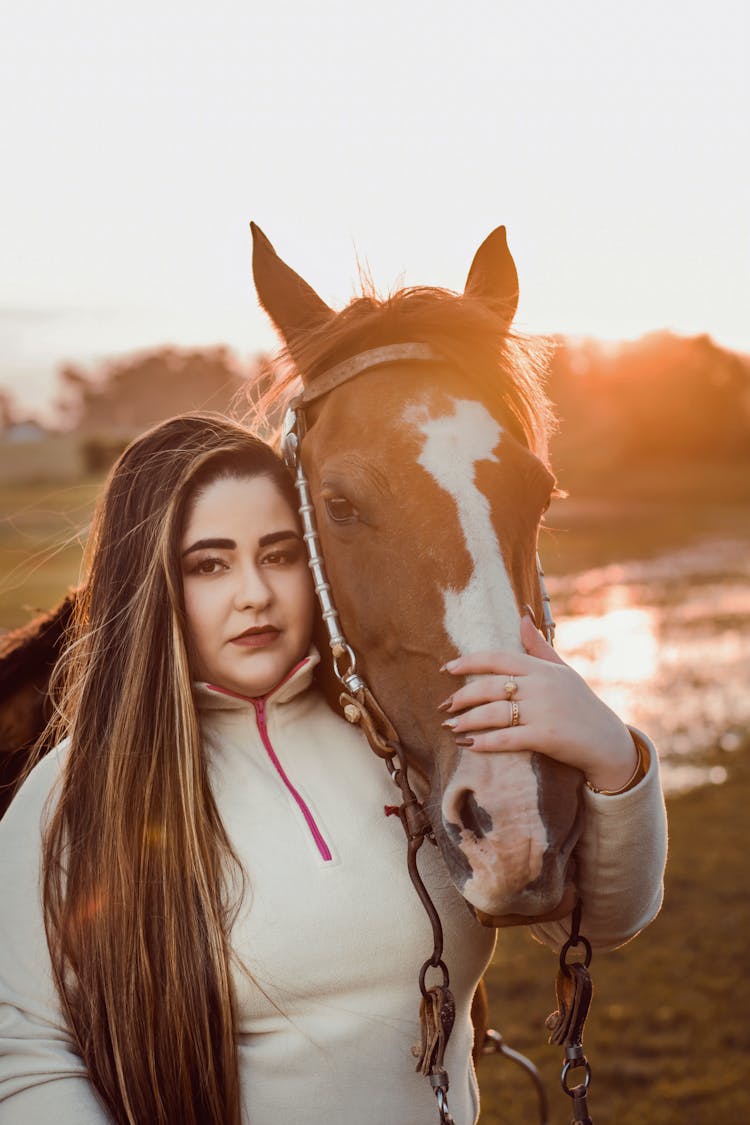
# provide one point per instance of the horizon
(50, 416)
(47, 381)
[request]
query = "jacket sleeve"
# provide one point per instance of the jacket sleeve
(42, 1077)
(621, 858)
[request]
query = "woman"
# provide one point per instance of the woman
(231, 934)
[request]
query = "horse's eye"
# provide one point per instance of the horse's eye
(340, 509)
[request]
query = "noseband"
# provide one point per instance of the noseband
(437, 1009)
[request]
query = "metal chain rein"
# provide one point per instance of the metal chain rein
(582, 991)
(437, 1009)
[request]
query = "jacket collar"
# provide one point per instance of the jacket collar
(211, 697)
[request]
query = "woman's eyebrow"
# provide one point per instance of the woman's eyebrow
(230, 544)
(201, 544)
(277, 537)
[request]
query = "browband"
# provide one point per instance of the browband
(363, 361)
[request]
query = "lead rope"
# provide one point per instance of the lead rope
(573, 984)
(575, 990)
(437, 1009)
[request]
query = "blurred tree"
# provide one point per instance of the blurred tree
(127, 395)
(7, 409)
(662, 399)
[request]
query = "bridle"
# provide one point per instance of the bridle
(437, 1009)
(293, 431)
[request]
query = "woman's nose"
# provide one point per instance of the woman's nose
(253, 592)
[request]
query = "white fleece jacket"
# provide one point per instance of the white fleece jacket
(331, 932)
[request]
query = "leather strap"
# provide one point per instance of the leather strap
(357, 364)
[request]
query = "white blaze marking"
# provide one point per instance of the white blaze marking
(483, 615)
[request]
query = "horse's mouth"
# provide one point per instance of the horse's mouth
(563, 908)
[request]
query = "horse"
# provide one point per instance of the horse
(424, 449)
(429, 479)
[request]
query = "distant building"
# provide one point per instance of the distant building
(23, 433)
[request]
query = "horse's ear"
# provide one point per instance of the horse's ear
(493, 278)
(293, 306)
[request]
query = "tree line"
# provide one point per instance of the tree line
(661, 400)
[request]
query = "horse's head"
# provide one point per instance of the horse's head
(428, 497)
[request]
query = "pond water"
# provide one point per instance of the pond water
(666, 642)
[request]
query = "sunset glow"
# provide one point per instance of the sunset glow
(645, 636)
(609, 140)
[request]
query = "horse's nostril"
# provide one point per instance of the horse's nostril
(473, 817)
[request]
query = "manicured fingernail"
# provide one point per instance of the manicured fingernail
(446, 704)
(450, 724)
(529, 612)
(464, 742)
(449, 666)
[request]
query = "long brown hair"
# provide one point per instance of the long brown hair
(140, 883)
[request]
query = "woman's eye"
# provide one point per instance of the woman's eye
(286, 553)
(280, 558)
(208, 566)
(340, 509)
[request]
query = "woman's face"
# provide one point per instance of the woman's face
(247, 587)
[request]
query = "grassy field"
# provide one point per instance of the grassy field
(668, 1036)
(42, 531)
(603, 522)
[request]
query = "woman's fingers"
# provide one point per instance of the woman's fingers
(502, 662)
(507, 739)
(487, 689)
(490, 729)
(505, 662)
(522, 678)
(496, 715)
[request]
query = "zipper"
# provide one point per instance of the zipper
(317, 835)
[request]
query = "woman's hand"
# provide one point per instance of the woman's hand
(557, 712)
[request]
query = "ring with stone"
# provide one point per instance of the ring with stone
(511, 687)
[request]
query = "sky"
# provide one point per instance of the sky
(139, 140)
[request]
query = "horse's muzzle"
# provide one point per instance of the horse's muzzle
(510, 823)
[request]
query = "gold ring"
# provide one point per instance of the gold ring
(511, 687)
(515, 713)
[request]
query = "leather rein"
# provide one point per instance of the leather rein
(437, 1008)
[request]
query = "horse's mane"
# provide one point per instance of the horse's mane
(27, 656)
(25, 650)
(462, 329)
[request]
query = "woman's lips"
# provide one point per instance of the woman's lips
(256, 638)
